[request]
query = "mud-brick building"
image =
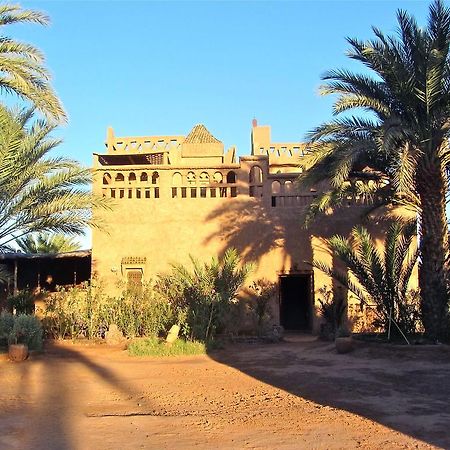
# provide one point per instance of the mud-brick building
(175, 196)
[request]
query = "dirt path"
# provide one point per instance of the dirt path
(297, 394)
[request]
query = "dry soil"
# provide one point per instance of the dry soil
(292, 395)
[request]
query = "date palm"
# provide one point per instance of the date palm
(38, 192)
(47, 243)
(402, 139)
(205, 293)
(378, 276)
(22, 69)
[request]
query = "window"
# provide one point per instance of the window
(218, 177)
(231, 177)
(155, 177)
(177, 179)
(134, 279)
(276, 187)
(107, 178)
(255, 176)
(120, 177)
(144, 176)
(190, 178)
(204, 178)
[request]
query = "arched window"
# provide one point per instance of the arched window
(144, 176)
(288, 187)
(218, 177)
(190, 177)
(204, 178)
(177, 179)
(276, 187)
(231, 177)
(120, 177)
(131, 177)
(107, 178)
(255, 176)
(155, 177)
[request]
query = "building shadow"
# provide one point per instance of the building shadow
(405, 389)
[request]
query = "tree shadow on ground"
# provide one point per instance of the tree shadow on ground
(45, 397)
(403, 388)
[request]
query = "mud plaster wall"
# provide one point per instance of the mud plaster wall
(167, 230)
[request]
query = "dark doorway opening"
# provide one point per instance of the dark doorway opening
(296, 302)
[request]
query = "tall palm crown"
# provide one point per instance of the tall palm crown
(47, 243)
(403, 138)
(38, 192)
(22, 70)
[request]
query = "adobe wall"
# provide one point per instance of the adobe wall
(251, 209)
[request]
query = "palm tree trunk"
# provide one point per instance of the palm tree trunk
(433, 265)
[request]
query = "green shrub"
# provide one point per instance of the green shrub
(6, 326)
(333, 311)
(263, 293)
(156, 347)
(88, 312)
(21, 329)
(27, 330)
(22, 302)
(203, 297)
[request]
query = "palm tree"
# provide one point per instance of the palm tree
(204, 294)
(38, 192)
(402, 141)
(22, 70)
(377, 277)
(47, 243)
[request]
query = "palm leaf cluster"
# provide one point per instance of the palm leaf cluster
(38, 192)
(47, 243)
(399, 140)
(377, 276)
(22, 69)
(204, 293)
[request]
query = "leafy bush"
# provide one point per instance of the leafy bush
(6, 326)
(22, 302)
(28, 330)
(21, 329)
(263, 293)
(203, 298)
(155, 347)
(332, 309)
(88, 312)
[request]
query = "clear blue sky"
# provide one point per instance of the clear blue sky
(160, 67)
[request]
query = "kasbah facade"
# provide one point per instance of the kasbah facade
(175, 196)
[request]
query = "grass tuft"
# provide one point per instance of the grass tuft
(155, 347)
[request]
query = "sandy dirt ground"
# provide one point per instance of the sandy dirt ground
(292, 395)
